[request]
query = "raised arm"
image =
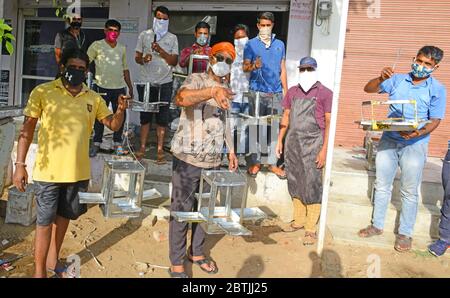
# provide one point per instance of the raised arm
(373, 86)
(190, 97)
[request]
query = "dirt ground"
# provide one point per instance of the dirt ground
(119, 243)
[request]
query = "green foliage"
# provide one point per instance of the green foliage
(6, 36)
(60, 11)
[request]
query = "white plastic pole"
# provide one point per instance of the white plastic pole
(332, 133)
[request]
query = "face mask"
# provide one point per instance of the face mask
(112, 36)
(307, 79)
(420, 71)
(160, 27)
(265, 34)
(74, 77)
(221, 69)
(202, 39)
(76, 25)
(240, 43)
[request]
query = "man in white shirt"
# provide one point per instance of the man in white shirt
(157, 53)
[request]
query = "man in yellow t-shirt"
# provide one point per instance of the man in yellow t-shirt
(66, 110)
(111, 78)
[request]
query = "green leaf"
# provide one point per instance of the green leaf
(9, 47)
(9, 36)
(5, 27)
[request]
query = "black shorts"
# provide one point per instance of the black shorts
(165, 95)
(59, 199)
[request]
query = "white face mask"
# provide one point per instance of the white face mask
(221, 69)
(307, 79)
(240, 43)
(160, 27)
(265, 34)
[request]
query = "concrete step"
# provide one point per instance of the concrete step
(354, 212)
(387, 240)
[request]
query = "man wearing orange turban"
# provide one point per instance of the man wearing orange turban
(203, 98)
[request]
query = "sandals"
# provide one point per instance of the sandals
(177, 274)
(274, 170)
(120, 151)
(403, 243)
(63, 271)
(369, 232)
(160, 158)
(310, 238)
(93, 151)
(253, 175)
(203, 262)
(139, 155)
(293, 228)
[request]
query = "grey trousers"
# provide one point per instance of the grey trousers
(185, 183)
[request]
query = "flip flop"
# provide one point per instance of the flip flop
(177, 274)
(120, 151)
(64, 271)
(205, 261)
(160, 159)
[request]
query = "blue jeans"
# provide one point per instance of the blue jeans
(411, 159)
(444, 226)
(238, 126)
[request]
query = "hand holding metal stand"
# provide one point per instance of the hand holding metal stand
(222, 219)
(122, 189)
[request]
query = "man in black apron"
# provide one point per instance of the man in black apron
(307, 113)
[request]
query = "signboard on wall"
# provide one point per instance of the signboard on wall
(4, 87)
(299, 36)
(130, 25)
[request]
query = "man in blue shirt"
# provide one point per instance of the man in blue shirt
(264, 58)
(406, 149)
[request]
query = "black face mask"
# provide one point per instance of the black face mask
(76, 25)
(74, 77)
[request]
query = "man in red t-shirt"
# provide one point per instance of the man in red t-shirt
(200, 47)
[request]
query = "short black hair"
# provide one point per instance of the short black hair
(162, 9)
(266, 16)
(241, 27)
(201, 25)
(432, 52)
(74, 53)
(113, 23)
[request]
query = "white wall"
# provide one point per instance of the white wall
(133, 10)
(299, 36)
(324, 47)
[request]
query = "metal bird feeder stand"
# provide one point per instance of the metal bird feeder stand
(221, 219)
(257, 118)
(196, 57)
(144, 104)
(391, 124)
(122, 189)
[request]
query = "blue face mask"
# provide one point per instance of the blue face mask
(420, 71)
(202, 39)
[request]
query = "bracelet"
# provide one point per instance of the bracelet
(20, 163)
(212, 96)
